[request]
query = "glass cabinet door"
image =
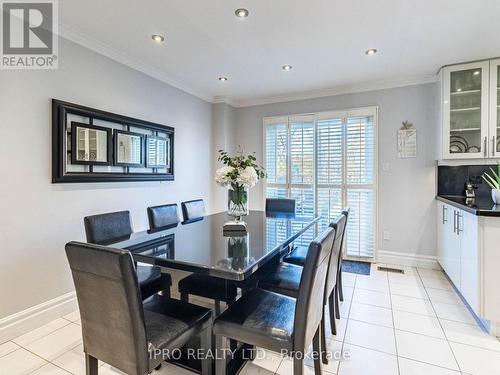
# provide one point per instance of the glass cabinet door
(495, 108)
(465, 112)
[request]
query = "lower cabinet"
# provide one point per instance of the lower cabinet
(458, 251)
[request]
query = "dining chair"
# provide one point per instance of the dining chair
(280, 205)
(201, 285)
(104, 229)
(162, 217)
(340, 289)
(119, 328)
(285, 279)
(277, 322)
(193, 210)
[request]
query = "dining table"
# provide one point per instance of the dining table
(205, 246)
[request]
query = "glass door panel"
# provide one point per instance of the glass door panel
(496, 109)
(465, 111)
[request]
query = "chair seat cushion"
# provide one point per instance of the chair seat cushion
(208, 287)
(259, 318)
(152, 280)
(284, 279)
(297, 256)
(170, 322)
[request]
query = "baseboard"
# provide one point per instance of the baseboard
(36, 316)
(408, 259)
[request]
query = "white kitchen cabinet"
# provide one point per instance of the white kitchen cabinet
(494, 119)
(449, 242)
(467, 229)
(465, 111)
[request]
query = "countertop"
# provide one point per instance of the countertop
(480, 206)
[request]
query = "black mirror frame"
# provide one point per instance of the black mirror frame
(109, 144)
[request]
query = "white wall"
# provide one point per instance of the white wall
(37, 217)
(406, 192)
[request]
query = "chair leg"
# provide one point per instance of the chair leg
(217, 307)
(337, 302)
(339, 284)
(298, 366)
(220, 355)
(333, 324)
(184, 297)
(317, 354)
(206, 345)
(90, 365)
(323, 339)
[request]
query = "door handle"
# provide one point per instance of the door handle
(493, 148)
(485, 144)
(444, 210)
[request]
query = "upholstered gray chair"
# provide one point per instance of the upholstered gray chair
(118, 327)
(277, 322)
(105, 229)
(163, 217)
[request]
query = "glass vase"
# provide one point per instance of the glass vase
(237, 201)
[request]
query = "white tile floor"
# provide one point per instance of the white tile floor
(409, 324)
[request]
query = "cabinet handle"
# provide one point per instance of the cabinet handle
(493, 148)
(444, 210)
(485, 144)
(459, 216)
(454, 221)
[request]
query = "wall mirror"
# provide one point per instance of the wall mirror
(129, 149)
(91, 144)
(157, 152)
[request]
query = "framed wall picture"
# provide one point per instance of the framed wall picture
(128, 149)
(90, 145)
(157, 152)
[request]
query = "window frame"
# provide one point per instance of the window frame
(344, 187)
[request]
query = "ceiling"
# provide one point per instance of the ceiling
(324, 41)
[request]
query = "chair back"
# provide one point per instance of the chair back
(107, 228)
(193, 210)
(345, 212)
(110, 305)
(309, 306)
(280, 205)
(162, 217)
(331, 280)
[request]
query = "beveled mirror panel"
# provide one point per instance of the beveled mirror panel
(90, 144)
(157, 152)
(129, 149)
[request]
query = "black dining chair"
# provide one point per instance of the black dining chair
(162, 217)
(299, 253)
(201, 285)
(280, 205)
(285, 279)
(117, 326)
(277, 322)
(105, 229)
(193, 210)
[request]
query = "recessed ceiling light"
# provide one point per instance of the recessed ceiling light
(222, 79)
(241, 13)
(286, 67)
(477, 72)
(371, 51)
(158, 38)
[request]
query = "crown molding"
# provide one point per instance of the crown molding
(224, 99)
(348, 89)
(67, 32)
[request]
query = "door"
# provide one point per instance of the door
(494, 108)
(467, 227)
(465, 111)
(443, 220)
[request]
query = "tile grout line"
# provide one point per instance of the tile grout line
(444, 332)
(394, 327)
(347, 324)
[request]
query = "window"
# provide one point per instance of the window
(326, 161)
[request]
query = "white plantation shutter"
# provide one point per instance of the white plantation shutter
(327, 162)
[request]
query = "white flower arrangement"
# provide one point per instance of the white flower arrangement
(238, 171)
